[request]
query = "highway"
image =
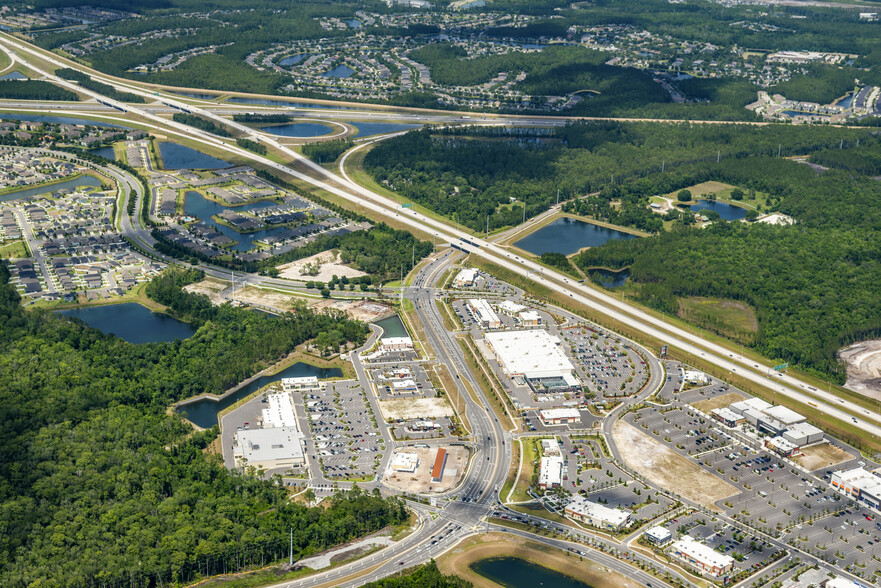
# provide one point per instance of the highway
(491, 444)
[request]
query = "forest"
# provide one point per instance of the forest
(34, 90)
(100, 486)
(424, 576)
(104, 89)
(200, 123)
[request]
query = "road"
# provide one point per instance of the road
(490, 442)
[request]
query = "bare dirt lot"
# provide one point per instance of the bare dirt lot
(667, 468)
(459, 560)
(420, 480)
(323, 267)
(211, 288)
(358, 310)
(863, 361)
(414, 408)
(821, 456)
(717, 402)
(277, 300)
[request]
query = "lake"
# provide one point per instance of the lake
(202, 208)
(294, 59)
(846, 101)
(298, 130)
(105, 152)
(176, 156)
(203, 412)
(83, 180)
(197, 95)
(726, 211)
(268, 102)
(566, 235)
(608, 278)
(132, 322)
(61, 120)
(15, 75)
(340, 71)
(513, 572)
(392, 327)
(366, 129)
(354, 23)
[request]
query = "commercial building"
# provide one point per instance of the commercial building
(768, 419)
(550, 447)
(659, 536)
(529, 318)
(510, 308)
(559, 416)
(702, 557)
(304, 384)
(550, 473)
(440, 462)
(465, 278)
(863, 485)
(727, 416)
(781, 446)
(483, 314)
(784, 415)
(696, 377)
(403, 387)
(279, 411)
(536, 356)
(405, 462)
(803, 434)
(277, 447)
(396, 344)
(597, 515)
(756, 404)
(397, 373)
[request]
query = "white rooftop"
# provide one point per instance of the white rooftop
(806, 429)
(782, 443)
(784, 415)
(706, 555)
(659, 533)
(260, 445)
(727, 414)
(534, 353)
(511, 307)
(279, 412)
(551, 470)
(483, 310)
(549, 414)
(467, 275)
(389, 341)
(753, 403)
(584, 507)
(529, 315)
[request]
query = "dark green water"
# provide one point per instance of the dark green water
(566, 236)
(83, 180)
(392, 327)
(513, 572)
(132, 322)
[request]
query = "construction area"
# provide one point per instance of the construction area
(412, 468)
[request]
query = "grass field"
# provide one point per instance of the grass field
(722, 191)
(15, 249)
(730, 318)
(530, 462)
(717, 402)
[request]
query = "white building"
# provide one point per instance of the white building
(531, 354)
(510, 308)
(550, 447)
(278, 447)
(465, 278)
(559, 416)
(405, 462)
(403, 387)
(696, 377)
(529, 318)
(863, 485)
(727, 416)
(597, 515)
(803, 434)
(483, 313)
(781, 446)
(279, 411)
(702, 557)
(659, 536)
(756, 404)
(396, 344)
(784, 415)
(550, 473)
(870, 16)
(303, 384)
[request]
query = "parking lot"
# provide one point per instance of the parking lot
(607, 366)
(402, 380)
(345, 431)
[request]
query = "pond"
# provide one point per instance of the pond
(340, 71)
(203, 412)
(132, 322)
(392, 327)
(726, 211)
(366, 129)
(298, 130)
(294, 59)
(513, 572)
(608, 278)
(567, 236)
(202, 208)
(794, 113)
(846, 101)
(105, 152)
(15, 75)
(354, 23)
(176, 156)
(61, 120)
(268, 102)
(84, 180)
(197, 95)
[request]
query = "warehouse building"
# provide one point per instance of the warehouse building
(536, 356)
(702, 557)
(277, 447)
(559, 416)
(550, 473)
(483, 314)
(465, 278)
(803, 434)
(861, 484)
(597, 515)
(303, 384)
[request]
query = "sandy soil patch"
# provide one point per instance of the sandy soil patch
(718, 402)
(458, 561)
(667, 468)
(275, 300)
(420, 480)
(324, 266)
(358, 310)
(863, 361)
(821, 456)
(415, 408)
(210, 287)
